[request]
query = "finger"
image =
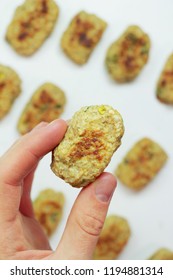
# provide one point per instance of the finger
(20, 160)
(26, 207)
(26, 153)
(86, 220)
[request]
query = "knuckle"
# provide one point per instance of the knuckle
(90, 224)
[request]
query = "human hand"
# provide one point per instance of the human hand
(21, 236)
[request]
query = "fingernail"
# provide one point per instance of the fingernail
(55, 123)
(40, 125)
(104, 187)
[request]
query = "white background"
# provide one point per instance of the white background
(149, 212)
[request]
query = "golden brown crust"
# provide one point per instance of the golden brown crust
(46, 104)
(82, 35)
(165, 84)
(10, 88)
(90, 145)
(113, 238)
(141, 164)
(32, 23)
(93, 135)
(127, 56)
(48, 208)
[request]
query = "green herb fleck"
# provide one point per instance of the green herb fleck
(126, 161)
(86, 109)
(131, 37)
(159, 91)
(144, 50)
(54, 217)
(58, 106)
(112, 59)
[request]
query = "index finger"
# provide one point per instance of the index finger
(22, 157)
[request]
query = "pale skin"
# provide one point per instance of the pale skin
(21, 237)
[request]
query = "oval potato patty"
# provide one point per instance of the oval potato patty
(141, 164)
(46, 104)
(113, 238)
(82, 36)
(162, 254)
(32, 23)
(48, 208)
(127, 56)
(93, 135)
(10, 88)
(165, 84)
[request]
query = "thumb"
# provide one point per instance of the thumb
(86, 220)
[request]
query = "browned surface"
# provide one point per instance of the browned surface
(90, 144)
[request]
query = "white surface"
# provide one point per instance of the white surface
(149, 211)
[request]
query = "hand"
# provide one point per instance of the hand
(21, 236)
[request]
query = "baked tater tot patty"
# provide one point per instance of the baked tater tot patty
(93, 135)
(82, 35)
(113, 238)
(10, 88)
(31, 25)
(48, 208)
(127, 56)
(46, 104)
(141, 164)
(162, 254)
(165, 83)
